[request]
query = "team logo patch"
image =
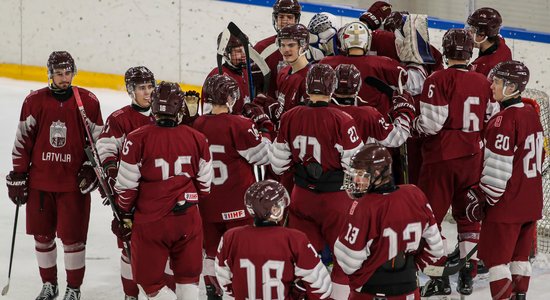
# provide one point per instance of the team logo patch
(191, 196)
(498, 121)
(352, 208)
(58, 134)
(232, 215)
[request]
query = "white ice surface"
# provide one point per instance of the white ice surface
(102, 279)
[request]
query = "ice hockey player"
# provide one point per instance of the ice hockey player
(41, 156)
(355, 39)
(236, 146)
(318, 160)
(291, 267)
(371, 124)
(509, 202)
(453, 110)
(374, 246)
(234, 66)
(165, 170)
(484, 24)
(285, 12)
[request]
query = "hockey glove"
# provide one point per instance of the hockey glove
(18, 187)
(298, 290)
(477, 203)
(271, 106)
(123, 230)
(403, 106)
(255, 113)
(192, 100)
(111, 172)
(87, 180)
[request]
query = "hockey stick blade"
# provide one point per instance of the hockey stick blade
(6, 289)
(442, 271)
(224, 40)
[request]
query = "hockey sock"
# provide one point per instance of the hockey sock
(46, 255)
(75, 265)
(521, 273)
(500, 281)
(128, 285)
(169, 276)
(187, 291)
(210, 276)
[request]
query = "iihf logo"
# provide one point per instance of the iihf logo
(58, 134)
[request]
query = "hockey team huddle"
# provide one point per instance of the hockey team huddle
(326, 175)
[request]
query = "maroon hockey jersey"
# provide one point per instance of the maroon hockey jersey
(487, 60)
(382, 68)
(291, 87)
(50, 139)
(511, 176)
(236, 145)
(453, 110)
(269, 51)
(379, 226)
(161, 166)
(262, 262)
(242, 81)
(373, 127)
(315, 133)
(118, 125)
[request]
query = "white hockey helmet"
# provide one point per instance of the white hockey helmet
(355, 35)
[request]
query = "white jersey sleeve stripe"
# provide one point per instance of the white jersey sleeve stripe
(258, 155)
(497, 170)
(279, 156)
(431, 118)
(128, 176)
(204, 175)
(109, 147)
(318, 278)
(350, 260)
(433, 239)
(345, 155)
(399, 134)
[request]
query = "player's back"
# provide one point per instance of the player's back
(169, 160)
(231, 139)
(326, 129)
(457, 99)
(388, 223)
(263, 260)
(241, 77)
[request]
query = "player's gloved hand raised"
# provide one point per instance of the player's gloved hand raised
(87, 180)
(123, 230)
(270, 106)
(373, 22)
(111, 171)
(298, 290)
(256, 113)
(18, 187)
(402, 105)
(477, 203)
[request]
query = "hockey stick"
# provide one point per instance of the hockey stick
(224, 40)
(7, 287)
(93, 156)
(442, 271)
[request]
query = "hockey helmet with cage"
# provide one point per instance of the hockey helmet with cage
(486, 21)
(60, 60)
(370, 167)
(355, 35)
(138, 75)
(320, 80)
(512, 72)
(286, 7)
(348, 80)
(266, 200)
(458, 44)
(233, 42)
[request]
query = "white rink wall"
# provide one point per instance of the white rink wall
(176, 39)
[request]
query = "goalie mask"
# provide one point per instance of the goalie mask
(135, 76)
(168, 102)
(370, 168)
(323, 29)
(266, 200)
(221, 90)
(355, 35)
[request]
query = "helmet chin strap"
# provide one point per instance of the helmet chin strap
(230, 106)
(479, 43)
(508, 96)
